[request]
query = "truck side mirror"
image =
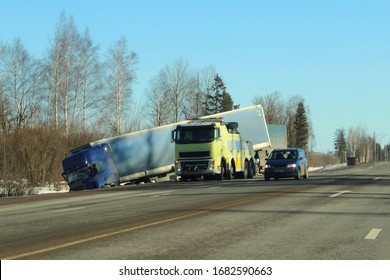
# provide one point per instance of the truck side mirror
(173, 136)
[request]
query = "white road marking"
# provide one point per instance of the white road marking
(68, 209)
(373, 234)
(159, 193)
(377, 178)
(339, 193)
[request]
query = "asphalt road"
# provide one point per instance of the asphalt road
(337, 215)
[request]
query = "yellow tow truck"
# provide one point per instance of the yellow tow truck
(212, 148)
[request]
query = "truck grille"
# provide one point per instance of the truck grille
(194, 154)
(194, 166)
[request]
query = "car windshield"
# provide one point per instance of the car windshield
(285, 154)
(196, 134)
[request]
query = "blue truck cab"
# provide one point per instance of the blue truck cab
(90, 168)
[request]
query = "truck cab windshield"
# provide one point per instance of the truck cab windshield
(195, 134)
(78, 175)
(84, 172)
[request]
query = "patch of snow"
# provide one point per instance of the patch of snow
(327, 167)
(63, 187)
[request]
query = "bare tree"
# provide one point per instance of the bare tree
(88, 79)
(61, 71)
(180, 85)
(204, 80)
(120, 68)
(157, 104)
(135, 118)
(20, 73)
(69, 39)
(5, 111)
(360, 144)
(274, 107)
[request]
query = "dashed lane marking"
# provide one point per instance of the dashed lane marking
(339, 193)
(373, 234)
(68, 209)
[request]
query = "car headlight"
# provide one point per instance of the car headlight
(292, 165)
(267, 166)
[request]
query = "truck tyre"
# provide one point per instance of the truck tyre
(252, 170)
(183, 178)
(222, 174)
(229, 174)
(246, 170)
(207, 177)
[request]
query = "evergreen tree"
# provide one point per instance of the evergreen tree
(214, 100)
(227, 102)
(301, 127)
(291, 135)
(340, 144)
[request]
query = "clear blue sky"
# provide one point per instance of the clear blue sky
(335, 54)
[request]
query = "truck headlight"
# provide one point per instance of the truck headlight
(178, 166)
(292, 165)
(211, 164)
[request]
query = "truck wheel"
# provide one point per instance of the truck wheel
(183, 178)
(246, 171)
(221, 175)
(252, 170)
(229, 174)
(207, 177)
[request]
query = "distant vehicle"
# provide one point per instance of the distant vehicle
(285, 163)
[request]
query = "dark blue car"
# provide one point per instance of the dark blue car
(285, 163)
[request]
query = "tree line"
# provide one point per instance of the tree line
(357, 143)
(72, 90)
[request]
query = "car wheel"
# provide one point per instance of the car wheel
(298, 174)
